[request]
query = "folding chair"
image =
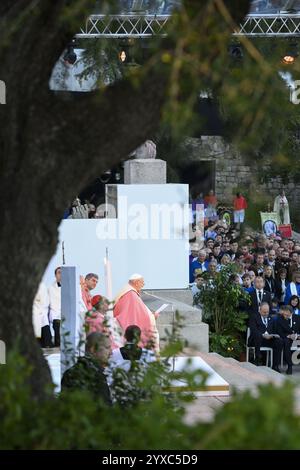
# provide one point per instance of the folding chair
(294, 347)
(269, 351)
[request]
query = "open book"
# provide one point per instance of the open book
(160, 309)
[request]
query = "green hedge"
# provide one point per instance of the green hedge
(76, 421)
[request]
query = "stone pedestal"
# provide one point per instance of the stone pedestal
(145, 171)
(193, 330)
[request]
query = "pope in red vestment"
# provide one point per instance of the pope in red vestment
(129, 310)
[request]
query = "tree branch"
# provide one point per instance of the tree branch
(93, 131)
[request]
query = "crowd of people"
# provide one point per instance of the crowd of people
(84, 210)
(267, 269)
(210, 208)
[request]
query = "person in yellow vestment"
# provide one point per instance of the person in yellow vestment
(130, 310)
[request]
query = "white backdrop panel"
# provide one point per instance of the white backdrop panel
(163, 262)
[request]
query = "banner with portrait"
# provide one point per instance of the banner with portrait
(270, 223)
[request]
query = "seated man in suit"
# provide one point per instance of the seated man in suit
(262, 327)
(288, 328)
(259, 295)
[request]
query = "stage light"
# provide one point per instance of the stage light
(288, 59)
(290, 54)
(70, 56)
(236, 51)
(122, 56)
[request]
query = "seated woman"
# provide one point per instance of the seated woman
(295, 304)
(100, 321)
(95, 318)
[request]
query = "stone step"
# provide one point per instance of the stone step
(273, 376)
(277, 377)
(231, 360)
(252, 367)
(249, 366)
(180, 295)
(240, 375)
(194, 331)
(267, 372)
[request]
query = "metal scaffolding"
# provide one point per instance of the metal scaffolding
(124, 26)
(272, 25)
(137, 26)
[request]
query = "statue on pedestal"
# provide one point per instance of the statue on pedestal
(146, 150)
(144, 167)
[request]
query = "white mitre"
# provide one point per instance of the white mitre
(135, 277)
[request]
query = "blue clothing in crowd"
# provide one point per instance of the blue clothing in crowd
(197, 265)
(288, 293)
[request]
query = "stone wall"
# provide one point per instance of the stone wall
(233, 173)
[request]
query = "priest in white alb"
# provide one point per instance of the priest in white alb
(281, 206)
(130, 310)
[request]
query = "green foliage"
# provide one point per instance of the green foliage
(75, 420)
(220, 298)
(266, 422)
(101, 61)
(173, 151)
(273, 141)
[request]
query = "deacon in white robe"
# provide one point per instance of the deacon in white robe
(281, 206)
(40, 313)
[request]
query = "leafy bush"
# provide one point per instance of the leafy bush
(263, 423)
(220, 299)
(74, 420)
